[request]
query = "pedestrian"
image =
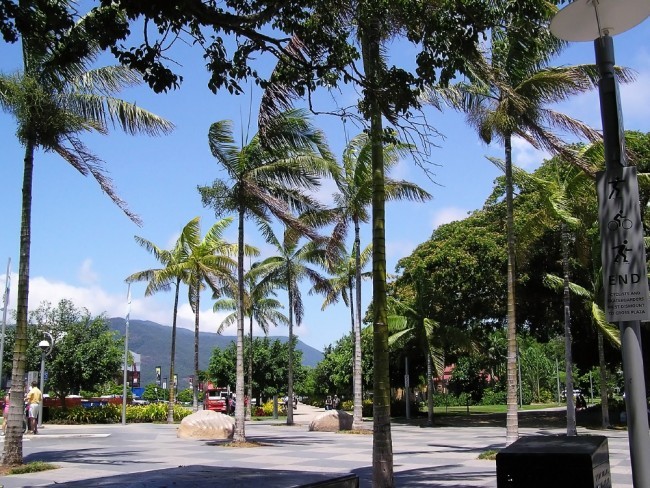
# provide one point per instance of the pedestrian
(33, 399)
(328, 402)
(336, 402)
(5, 414)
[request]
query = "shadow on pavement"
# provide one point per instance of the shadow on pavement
(87, 456)
(202, 476)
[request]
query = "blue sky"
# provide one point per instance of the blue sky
(83, 246)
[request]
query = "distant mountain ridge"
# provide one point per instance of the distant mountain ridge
(153, 342)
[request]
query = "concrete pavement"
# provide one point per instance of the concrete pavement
(150, 455)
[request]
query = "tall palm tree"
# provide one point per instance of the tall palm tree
(563, 193)
(161, 279)
(53, 100)
(286, 270)
(261, 307)
(208, 262)
(351, 205)
(514, 102)
(265, 180)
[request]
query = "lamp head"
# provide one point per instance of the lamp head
(586, 20)
(44, 345)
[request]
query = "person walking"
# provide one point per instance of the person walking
(336, 403)
(5, 414)
(33, 399)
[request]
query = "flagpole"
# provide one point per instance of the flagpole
(5, 300)
(126, 353)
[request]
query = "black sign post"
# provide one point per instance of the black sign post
(625, 277)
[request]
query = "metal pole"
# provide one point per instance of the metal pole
(521, 396)
(46, 349)
(126, 353)
(406, 388)
(557, 375)
(5, 301)
(635, 399)
(42, 385)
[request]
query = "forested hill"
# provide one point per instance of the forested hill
(153, 342)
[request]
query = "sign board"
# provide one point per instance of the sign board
(625, 278)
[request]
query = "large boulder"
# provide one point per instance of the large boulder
(206, 424)
(331, 421)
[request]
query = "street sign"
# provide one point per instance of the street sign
(625, 277)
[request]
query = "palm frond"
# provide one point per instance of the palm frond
(609, 330)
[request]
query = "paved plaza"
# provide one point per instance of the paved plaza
(151, 456)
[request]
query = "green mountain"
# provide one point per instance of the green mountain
(153, 342)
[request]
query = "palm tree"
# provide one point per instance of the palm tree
(590, 297)
(208, 262)
(352, 202)
(414, 323)
(161, 279)
(260, 306)
(514, 103)
(287, 270)
(561, 192)
(53, 100)
(265, 180)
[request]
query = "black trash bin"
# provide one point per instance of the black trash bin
(557, 461)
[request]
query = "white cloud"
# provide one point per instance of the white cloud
(156, 309)
(86, 273)
(448, 214)
(526, 156)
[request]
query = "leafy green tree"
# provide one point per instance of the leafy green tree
(161, 279)
(333, 374)
(269, 366)
(265, 180)
(154, 393)
(53, 101)
(286, 270)
(86, 353)
(536, 369)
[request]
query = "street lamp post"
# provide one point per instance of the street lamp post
(46, 349)
(597, 21)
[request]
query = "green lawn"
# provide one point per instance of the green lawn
(478, 409)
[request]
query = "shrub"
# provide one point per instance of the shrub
(366, 408)
(493, 397)
(107, 414)
(347, 405)
(110, 414)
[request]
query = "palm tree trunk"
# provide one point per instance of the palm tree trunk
(290, 365)
(247, 405)
(172, 357)
(512, 419)
(382, 450)
(604, 402)
(352, 312)
(13, 450)
(570, 406)
(357, 414)
(195, 396)
(240, 417)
